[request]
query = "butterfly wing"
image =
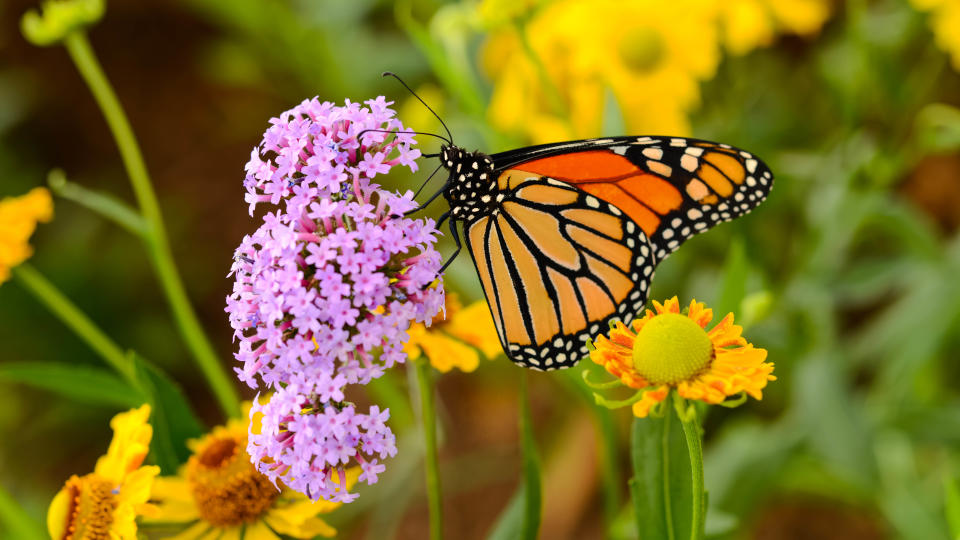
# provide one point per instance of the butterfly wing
(557, 265)
(672, 187)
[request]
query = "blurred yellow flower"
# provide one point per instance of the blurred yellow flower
(945, 23)
(106, 502)
(669, 350)
(748, 24)
(219, 494)
(453, 341)
(552, 76)
(18, 219)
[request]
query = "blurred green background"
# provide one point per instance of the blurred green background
(847, 274)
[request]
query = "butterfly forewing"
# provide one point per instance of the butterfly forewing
(672, 187)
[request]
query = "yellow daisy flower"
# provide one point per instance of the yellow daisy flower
(18, 219)
(452, 341)
(106, 502)
(945, 23)
(219, 494)
(748, 24)
(551, 82)
(667, 349)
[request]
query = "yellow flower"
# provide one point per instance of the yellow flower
(552, 79)
(106, 502)
(748, 24)
(219, 494)
(452, 342)
(945, 23)
(667, 349)
(18, 219)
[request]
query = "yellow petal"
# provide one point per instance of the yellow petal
(193, 532)
(174, 500)
(259, 531)
(305, 529)
(474, 325)
(57, 514)
(129, 446)
(446, 353)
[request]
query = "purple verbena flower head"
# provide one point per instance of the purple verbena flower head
(326, 288)
(308, 444)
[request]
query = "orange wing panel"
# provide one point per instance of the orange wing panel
(654, 192)
(640, 214)
(581, 166)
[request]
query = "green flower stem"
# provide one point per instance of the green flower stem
(691, 430)
(532, 496)
(665, 450)
(15, 519)
(76, 320)
(154, 235)
(428, 420)
(101, 203)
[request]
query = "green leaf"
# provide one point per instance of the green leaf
(951, 503)
(531, 468)
(938, 128)
(661, 485)
(15, 521)
(172, 418)
(86, 384)
(510, 523)
(733, 283)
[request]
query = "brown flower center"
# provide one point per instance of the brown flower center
(90, 513)
(226, 487)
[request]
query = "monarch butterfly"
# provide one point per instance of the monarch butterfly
(565, 237)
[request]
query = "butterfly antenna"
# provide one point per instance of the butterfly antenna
(362, 133)
(394, 75)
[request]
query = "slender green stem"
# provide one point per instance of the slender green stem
(533, 498)
(428, 420)
(76, 320)
(16, 521)
(691, 430)
(154, 236)
(101, 203)
(665, 464)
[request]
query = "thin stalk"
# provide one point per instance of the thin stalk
(428, 420)
(68, 313)
(691, 429)
(532, 496)
(665, 463)
(154, 235)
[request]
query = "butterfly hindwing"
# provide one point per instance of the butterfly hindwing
(557, 265)
(672, 187)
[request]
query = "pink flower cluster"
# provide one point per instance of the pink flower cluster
(326, 288)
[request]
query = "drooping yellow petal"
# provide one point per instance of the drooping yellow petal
(474, 325)
(650, 398)
(259, 531)
(193, 532)
(307, 528)
(175, 500)
(446, 353)
(58, 512)
(129, 446)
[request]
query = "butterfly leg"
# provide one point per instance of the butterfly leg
(456, 240)
(430, 200)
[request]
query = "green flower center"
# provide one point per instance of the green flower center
(642, 49)
(671, 348)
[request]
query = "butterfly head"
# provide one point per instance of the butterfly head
(472, 185)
